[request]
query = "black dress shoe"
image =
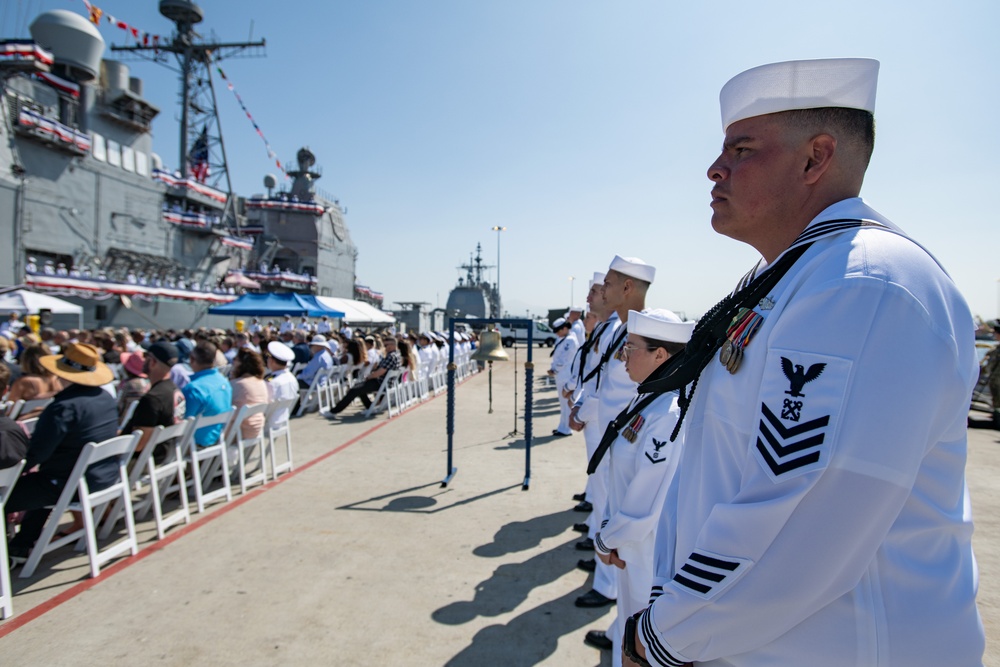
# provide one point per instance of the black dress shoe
(593, 599)
(586, 565)
(597, 639)
(585, 544)
(584, 506)
(560, 434)
(581, 528)
(580, 497)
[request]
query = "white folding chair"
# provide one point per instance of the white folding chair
(275, 430)
(210, 461)
(387, 394)
(14, 408)
(127, 415)
(27, 407)
(310, 398)
(28, 425)
(333, 390)
(160, 480)
(241, 449)
(8, 477)
(91, 504)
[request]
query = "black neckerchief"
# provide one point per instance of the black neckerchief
(587, 346)
(607, 355)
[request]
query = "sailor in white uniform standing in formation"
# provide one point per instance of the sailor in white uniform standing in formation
(625, 285)
(561, 368)
(583, 417)
(642, 461)
(822, 516)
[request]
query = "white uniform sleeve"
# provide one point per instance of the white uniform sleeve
(656, 463)
(845, 421)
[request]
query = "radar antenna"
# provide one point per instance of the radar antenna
(202, 151)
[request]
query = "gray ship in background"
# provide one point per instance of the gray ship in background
(90, 213)
(474, 295)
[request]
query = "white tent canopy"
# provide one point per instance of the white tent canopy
(29, 303)
(357, 312)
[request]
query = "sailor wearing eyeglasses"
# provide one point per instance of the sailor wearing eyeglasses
(642, 462)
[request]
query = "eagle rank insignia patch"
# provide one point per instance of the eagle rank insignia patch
(802, 396)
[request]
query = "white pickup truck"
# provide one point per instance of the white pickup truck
(543, 335)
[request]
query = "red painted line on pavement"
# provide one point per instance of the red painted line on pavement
(20, 620)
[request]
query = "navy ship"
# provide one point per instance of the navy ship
(90, 213)
(474, 295)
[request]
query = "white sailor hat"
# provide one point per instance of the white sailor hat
(575, 309)
(559, 324)
(280, 351)
(598, 278)
(659, 324)
(633, 267)
(800, 84)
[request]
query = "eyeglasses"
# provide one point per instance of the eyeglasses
(628, 349)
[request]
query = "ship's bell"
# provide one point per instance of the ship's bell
(490, 347)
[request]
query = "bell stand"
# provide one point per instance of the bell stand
(528, 380)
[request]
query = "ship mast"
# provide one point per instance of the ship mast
(202, 151)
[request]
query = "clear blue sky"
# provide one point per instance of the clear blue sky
(585, 127)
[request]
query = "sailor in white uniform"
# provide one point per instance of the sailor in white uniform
(562, 362)
(280, 381)
(823, 517)
(575, 319)
(287, 325)
(625, 285)
(323, 327)
(643, 460)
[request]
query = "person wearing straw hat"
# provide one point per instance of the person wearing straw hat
(822, 515)
(641, 462)
(80, 413)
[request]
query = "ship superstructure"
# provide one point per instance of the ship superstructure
(93, 215)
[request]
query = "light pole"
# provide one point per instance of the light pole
(572, 280)
(498, 230)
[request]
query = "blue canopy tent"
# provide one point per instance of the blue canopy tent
(273, 304)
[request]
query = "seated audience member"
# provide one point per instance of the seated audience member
(135, 384)
(228, 348)
(249, 388)
(409, 361)
(207, 393)
(280, 382)
(80, 413)
(299, 346)
(7, 361)
(321, 361)
(163, 404)
(35, 382)
(13, 439)
(390, 362)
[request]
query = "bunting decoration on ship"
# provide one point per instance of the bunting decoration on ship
(95, 14)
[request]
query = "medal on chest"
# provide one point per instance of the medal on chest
(632, 430)
(741, 331)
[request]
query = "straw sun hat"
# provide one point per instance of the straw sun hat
(81, 365)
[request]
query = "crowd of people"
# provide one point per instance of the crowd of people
(90, 385)
(782, 483)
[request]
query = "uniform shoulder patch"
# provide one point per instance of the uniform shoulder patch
(654, 449)
(802, 394)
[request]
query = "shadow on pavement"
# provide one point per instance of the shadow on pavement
(522, 535)
(399, 501)
(532, 636)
